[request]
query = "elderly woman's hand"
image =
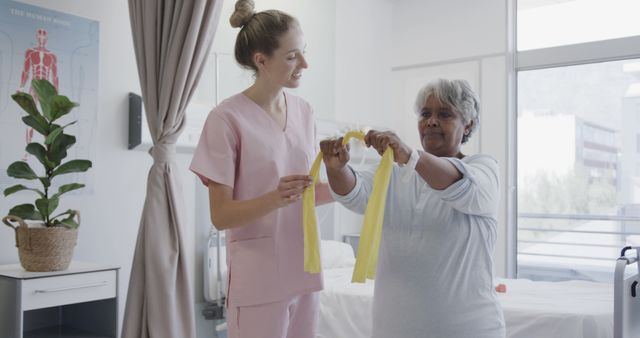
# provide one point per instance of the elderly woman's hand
(380, 140)
(335, 154)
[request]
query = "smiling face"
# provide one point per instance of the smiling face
(441, 128)
(285, 66)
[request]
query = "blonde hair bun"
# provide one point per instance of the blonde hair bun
(243, 13)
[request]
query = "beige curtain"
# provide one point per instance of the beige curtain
(172, 41)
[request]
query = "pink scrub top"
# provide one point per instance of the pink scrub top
(242, 147)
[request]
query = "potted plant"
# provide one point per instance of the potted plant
(47, 243)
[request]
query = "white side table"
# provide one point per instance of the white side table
(81, 301)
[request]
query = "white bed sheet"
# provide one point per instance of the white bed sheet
(572, 309)
(557, 309)
(345, 307)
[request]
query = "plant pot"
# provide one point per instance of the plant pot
(43, 248)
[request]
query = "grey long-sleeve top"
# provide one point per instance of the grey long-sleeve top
(435, 270)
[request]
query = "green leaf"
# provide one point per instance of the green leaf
(69, 124)
(70, 223)
(44, 91)
(60, 106)
(47, 206)
(39, 152)
(53, 135)
(26, 102)
(45, 182)
(68, 212)
(38, 123)
(73, 166)
(68, 187)
(20, 187)
(13, 189)
(58, 149)
(46, 110)
(43, 206)
(26, 211)
(21, 169)
(57, 131)
(49, 164)
(53, 204)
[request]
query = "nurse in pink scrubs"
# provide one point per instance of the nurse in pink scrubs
(254, 155)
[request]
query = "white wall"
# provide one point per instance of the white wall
(432, 31)
(317, 19)
(363, 57)
(362, 81)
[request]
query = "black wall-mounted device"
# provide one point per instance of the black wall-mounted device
(135, 120)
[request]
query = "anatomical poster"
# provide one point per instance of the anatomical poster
(38, 43)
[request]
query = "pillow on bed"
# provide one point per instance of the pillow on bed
(336, 255)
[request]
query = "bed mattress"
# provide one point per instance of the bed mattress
(574, 309)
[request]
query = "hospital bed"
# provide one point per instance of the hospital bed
(532, 309)
(627, 300)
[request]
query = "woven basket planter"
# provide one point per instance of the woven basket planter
(43, 248)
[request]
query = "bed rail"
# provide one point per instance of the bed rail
(626, 307)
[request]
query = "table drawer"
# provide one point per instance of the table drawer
(68, 289)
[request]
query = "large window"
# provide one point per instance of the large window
(578, 113)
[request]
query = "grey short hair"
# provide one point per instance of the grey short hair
(455, 93)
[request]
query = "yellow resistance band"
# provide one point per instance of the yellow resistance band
(372, 228)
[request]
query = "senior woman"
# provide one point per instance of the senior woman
(435, 272)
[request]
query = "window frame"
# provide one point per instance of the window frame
(551, 57)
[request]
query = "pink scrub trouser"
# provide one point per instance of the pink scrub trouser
(295, 317)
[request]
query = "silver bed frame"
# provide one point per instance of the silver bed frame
(626, 307)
